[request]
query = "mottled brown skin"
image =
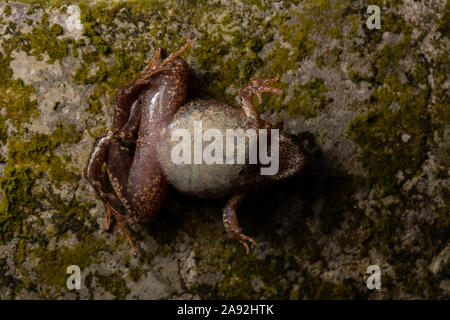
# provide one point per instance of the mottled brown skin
(145, 108)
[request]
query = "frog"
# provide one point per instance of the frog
(136, 151)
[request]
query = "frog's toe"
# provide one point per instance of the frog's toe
(243, 240)
(247, 249)
(154, 60)
(108, 218)
(257, 87)
(146, 78)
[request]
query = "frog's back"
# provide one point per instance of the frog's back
(204, 180)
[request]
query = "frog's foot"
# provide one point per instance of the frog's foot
(177, 53)
(231, 224)
(154, 60)
(154, 68)
(146, 77)
(93, 173)
(242, 238)
(110, 210)
(150, 70)
(108, 199)
(256, 87)
(127, 95)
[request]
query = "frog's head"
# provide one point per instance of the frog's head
(292, 158)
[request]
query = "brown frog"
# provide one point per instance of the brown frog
(137, 151)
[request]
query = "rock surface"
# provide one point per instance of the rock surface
(372, 106)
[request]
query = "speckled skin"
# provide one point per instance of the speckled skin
(137, 151)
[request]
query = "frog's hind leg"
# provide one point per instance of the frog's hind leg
(128, 94)
(231, 224)
(93, 170)
(154, 68)
(107, 149)
(119, 162)
(177, 53)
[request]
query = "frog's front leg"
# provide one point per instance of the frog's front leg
(231, 224)
(256, 87)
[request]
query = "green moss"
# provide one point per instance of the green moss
(39, 153)
(400, 104)
(30, 10)
(9, 281)
(56, 105)
(391, 22)
(398, 108)
(444, 25)
(27, 161)
(297, 34)
(281, 60)
(43, 40)
(307, 100)
(73, 216)
(381, 230)
(113, 284)
(210, 53)
(3, 129)
(250, 65)
(228, 63)
(329, 58)
(379, 132)
(15, 101)
(134, 273)
(7, 11)
(46, 4)
(386, 59)
(255, 44)
(127, 65)
(56, 30)
(433, 234)
(312, 287)
(335, 32)
(18, 201)
(357, 77)
(51, 269)
(248, 277)
(238, 278)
